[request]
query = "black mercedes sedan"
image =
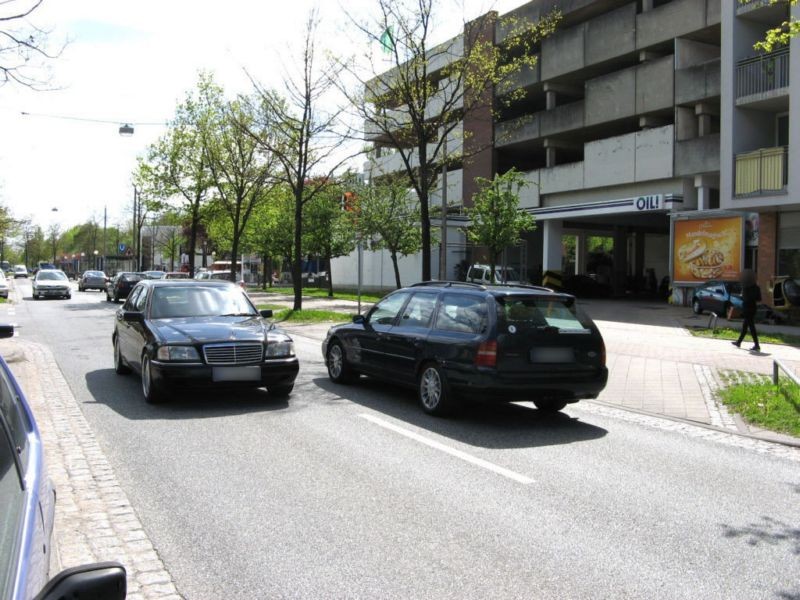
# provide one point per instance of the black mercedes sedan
(180, 334)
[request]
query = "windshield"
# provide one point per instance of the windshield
(199, 301)
(527, 313)
(51, 276)
(94, 274)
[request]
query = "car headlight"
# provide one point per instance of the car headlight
(279, 346)
(177, 353)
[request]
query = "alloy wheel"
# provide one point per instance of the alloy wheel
(430, 388)
(335, 361)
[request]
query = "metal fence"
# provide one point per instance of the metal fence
(762, 73)
(762, 171)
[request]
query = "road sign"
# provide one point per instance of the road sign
(122, 248)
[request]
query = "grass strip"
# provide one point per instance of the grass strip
(728, 333)
(287, 315)
(323, 293)
(762, 403)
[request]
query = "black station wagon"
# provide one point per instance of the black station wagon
(454, 340)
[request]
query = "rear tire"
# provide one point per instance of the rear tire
(339, 369)
(550, 406)
(434, 393)
(153, 394)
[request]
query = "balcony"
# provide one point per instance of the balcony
(763, 171)
(762, 77)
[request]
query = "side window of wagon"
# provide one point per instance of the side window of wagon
(386, 310)
(466, 314)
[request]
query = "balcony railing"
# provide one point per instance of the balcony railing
(762, 73)
(762, 171)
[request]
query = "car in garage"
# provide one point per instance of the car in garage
(457, 340)
(180, 334)
(51, 283)
(92, 280)
(28, 499)
(119, 286)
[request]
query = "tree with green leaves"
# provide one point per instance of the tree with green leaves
(388, 217)
(420, 101)
(271, 230)
(304, 136)
(178, 160)
(781, 35)
(240, 169)
(496, 221)
(328, 230)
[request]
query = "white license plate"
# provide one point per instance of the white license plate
(236, 373)
(552, 355)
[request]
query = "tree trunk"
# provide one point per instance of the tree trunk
(234, 254)
(264, 271)
(396, 270)
(297, 275)
(330, 277)
(192, 241)
(271, 268)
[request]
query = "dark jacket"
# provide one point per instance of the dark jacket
(751, 296)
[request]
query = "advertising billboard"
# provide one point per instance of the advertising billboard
(706, 249)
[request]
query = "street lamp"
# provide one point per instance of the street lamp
(95, 258)
(126, 130)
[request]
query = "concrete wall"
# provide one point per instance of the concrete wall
(689, 53)
(698, 82)
(675, 19)
(698, 155)
(618, 25)
(567, 117)
(455, 185)
(666, 186)
(529, 196)
(569, 176)
(654, 85)
(611, 97)
(610, 161)
(654, 153)
(563, 52)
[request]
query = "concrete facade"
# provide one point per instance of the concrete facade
(662, 102)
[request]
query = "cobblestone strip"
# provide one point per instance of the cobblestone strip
(94, 520)
(710, 386)
(695, 431)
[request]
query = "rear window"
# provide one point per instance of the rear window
(526, 313)
(131, 278)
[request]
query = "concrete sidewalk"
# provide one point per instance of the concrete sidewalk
(655, 365)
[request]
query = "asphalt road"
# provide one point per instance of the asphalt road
(353, 492)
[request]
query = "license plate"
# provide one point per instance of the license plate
(236, 373)
(552, 355)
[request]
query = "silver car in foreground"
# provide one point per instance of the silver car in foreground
(51, 283)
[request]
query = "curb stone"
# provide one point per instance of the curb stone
(94, 520)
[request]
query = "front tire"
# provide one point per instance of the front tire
(120, 368)
(280, 391)
(153, 394)
(434, 393)
(549, 406)
(339, 369)
(696, 308)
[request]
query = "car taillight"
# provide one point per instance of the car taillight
(487, 354)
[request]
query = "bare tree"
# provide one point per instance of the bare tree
(23, 46)
(305, 138)
(418, 103)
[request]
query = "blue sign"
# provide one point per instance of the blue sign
(122, 248)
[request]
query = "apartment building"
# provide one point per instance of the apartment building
(653, 123)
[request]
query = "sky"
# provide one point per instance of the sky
(132, 61)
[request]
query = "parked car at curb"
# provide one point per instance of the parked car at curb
(92, 280)
(720, 296)
(119, 286)
(3, 285)
(51, 283)
(456, 340)
(28, 500)
(185, 333)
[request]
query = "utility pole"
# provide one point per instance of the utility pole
(443, 245)
(134, 229)
(105, 225)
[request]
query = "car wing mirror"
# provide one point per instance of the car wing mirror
(359, 319)
(266, 313)
(132, 316)
(6, 331)
(105, 580)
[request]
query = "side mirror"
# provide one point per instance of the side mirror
(132, 316)
(6, 331)
(100, 580)
(266, 313)
(359, 319)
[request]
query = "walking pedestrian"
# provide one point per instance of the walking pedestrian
(751, 296)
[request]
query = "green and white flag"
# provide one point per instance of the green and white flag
(387, 40)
